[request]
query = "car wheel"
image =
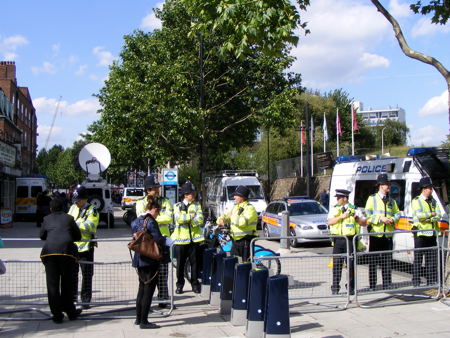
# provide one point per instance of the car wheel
(97, 202)
(293, 241)
(266, 230)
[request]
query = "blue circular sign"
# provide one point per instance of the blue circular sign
(170, 175)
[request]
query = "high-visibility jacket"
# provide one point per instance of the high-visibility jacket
(243, 219)
(422, 215)
(165, 217)
(376, 208)
(188, 221)
(87, 219)
(347, 226)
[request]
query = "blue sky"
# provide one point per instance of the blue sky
(63, 49)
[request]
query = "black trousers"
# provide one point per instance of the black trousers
(384, 260)
(340, 247)
(147, 284)
(87, 272)
(431, 261)
(59, 273)
(241, 248)
(182, 253)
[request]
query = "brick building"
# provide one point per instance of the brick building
(18, 132)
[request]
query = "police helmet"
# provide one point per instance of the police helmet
(79, 193)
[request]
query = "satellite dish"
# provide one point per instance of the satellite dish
(94, 158)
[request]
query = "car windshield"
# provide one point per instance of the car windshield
(255, 192)
(135, 192)
(306, 208)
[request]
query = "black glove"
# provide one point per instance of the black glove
(241, 210)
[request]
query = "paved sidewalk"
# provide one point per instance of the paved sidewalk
(194, 317)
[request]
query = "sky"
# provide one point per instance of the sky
(62, 51)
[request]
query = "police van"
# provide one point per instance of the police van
(27, 190)
(359, 176)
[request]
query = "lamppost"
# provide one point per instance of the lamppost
(382, 140)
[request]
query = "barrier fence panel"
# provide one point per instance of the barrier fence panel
(310, 277)
(385, 276)
(114, 283)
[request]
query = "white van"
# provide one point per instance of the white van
(27, 189)
(130, 196)
(221, 186)
(359, 176)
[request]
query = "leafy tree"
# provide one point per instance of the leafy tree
(150, 103)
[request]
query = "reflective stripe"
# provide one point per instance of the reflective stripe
(243, 233)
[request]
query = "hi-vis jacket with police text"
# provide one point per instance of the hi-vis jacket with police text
(188, 221)
(87, 219)
(347, 226)
(165, 217)
(376, 208)
(422, 215)
(243, 219)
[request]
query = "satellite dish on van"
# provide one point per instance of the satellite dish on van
(94, 158)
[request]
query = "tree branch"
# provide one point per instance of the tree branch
(234, 124)
(229, 99)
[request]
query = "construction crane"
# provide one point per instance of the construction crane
(53, 122)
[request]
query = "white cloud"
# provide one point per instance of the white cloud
(424, 27)
(43, 131)
(47, 106)
(338, 49)
(56, 48)
(9, 45)
(46, 67)
(435, 106)
(72, 59)
(81, 70)
(105, 58)
(399, 10)
(150, 21)
(429, 135)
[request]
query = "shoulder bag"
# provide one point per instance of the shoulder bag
(144, 244)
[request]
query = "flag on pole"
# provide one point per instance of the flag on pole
(338, 124)
(324, 127)
(354, 120)
(303, 131)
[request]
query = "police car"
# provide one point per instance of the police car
(307, 218)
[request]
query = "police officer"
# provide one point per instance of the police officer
(343, 221)
(188, 219)
(87, 218)
(382, 216)
(426, 214)
(164, 220)
(243, 219)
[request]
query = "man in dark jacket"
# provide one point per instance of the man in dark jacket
(60, 256)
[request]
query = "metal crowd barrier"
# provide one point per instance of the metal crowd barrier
(114, 285)
(393, 271)
(310, 277)
(445, 259)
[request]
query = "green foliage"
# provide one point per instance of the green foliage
(266, 25)
(150, 103)
(440, 10)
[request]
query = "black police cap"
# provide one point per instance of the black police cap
(342, 193)
(382, 179)
(425, 182)
(242, 191)
(151, 182)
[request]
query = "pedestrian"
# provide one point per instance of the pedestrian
(59, 256)
(187, 234)
(325, 199)
(42, 206)
(243, 219)
(344, 221)
(382, 216)
(164, 220)
(147, 268)
(86, 218)
(426, 214)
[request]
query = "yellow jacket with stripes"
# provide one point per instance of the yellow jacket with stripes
(87, 219)
(165, 217)
(243, 219)
(188, 221)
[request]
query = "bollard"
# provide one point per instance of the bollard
(216, 278)
(206, 273)
(276, 319)
(226, 291)
(240, 293)
(285, 230)
(256, 300)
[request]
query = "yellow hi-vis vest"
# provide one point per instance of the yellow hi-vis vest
(422, 216)
(347, 226)
(165, 217)
(87, 219)
(376, 208)
(187, 223)
(243, 219)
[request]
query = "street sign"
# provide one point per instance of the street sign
(170, 176)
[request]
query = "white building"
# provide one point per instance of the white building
(374, 117)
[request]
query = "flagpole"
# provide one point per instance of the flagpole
(301, 149)
(312, 145)
(353, 134)
(324, 140)
(337, 132)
